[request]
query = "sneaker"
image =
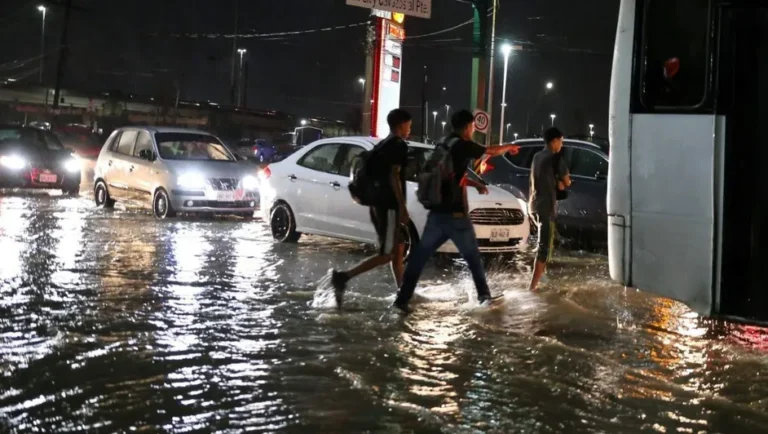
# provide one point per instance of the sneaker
(489, 300)
(339, 282)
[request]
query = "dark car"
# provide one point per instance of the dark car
(256, 149)
(35, 158)
(80, 139)
(582, 216)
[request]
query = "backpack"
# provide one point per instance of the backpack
(364, 187)
(437, 170)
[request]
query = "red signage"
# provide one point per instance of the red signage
(396, 31)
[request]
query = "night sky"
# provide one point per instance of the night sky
(127, 45)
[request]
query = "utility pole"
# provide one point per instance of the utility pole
(63, 52)
(479, 52)
(234, 55)
(490, 74)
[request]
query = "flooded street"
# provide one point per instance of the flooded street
(112, 321)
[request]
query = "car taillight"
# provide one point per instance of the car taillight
(265, 173)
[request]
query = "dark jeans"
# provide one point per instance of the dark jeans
(440, 228)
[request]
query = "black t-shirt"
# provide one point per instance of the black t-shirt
(463, 152)
(390, 152)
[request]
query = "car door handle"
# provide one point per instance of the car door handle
(130, 169)
(109, 163)
(292, 177)
(335, 185)
(523, 175)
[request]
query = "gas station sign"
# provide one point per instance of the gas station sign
(387, 70)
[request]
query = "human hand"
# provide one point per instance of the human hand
(560, 185)
(482, 189)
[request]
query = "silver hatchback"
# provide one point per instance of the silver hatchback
(174, 170)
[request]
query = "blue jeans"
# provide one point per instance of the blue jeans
(440, 228)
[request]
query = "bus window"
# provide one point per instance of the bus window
(675, 53)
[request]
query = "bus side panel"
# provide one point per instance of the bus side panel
(672, 207)
(619, 127)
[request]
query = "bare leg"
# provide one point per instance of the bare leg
(398, 268)
(538, 270)
(368, 265)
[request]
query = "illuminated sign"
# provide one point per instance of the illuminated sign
(398, 17)
(388, 63)
(396, 31)
(416, 8)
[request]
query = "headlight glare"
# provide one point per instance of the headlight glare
(250, 183)
(13, 162)
(72, 165)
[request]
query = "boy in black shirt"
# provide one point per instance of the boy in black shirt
(388, 162)
(451, 220)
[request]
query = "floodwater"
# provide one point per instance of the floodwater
(111, 321)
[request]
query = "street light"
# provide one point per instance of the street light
(516, 136)
(242, 52)
(553, 116)
(443, 126)
(362, 83)
(447, 109)
(303, 122)
(506, 50)
(508, 125)
(42, 10)
(550, 85)
(434, 123)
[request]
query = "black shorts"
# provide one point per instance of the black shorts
(546, 227)
(387, 224)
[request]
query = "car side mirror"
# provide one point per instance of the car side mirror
(147, 154)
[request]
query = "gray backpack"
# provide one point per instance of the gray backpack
(435, 179)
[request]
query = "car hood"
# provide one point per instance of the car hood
(496, 198)
(213, 169)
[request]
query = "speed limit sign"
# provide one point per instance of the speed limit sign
(482, 121)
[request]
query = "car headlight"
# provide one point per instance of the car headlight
(192, 181)
(250, 183)
(72, 165)
(13, 162)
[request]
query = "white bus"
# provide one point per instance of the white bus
(688, 186)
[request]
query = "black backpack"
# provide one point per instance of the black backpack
(364, 187)
(437, 172)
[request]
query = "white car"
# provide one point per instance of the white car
(307, 193)
(173, 170)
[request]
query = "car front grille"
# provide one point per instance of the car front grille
(224, 184)
(486, 243)
(497, 216)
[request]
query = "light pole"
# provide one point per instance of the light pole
(506, 50)
(42, 10)
(362, 83)
(515, 136)
(508, 125)
(553, 116)
(434, 123)
(242, 52)
(447, 110)
(443, 127)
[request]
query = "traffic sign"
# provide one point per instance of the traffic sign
(416, 8)
(482, 121)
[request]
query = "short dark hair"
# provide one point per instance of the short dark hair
(552, 134)
(461, 119)
(397, 117)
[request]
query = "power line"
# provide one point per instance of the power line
(273, 35)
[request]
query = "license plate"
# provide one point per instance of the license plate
(499, 235)
(225, 196)
(48, 178)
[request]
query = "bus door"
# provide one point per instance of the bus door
(742, 98)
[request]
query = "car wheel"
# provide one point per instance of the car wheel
(410, 237)
(101, 196)
(283, 224)
(161, 205)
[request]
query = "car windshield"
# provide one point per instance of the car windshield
(191, 146)
(31, 136)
